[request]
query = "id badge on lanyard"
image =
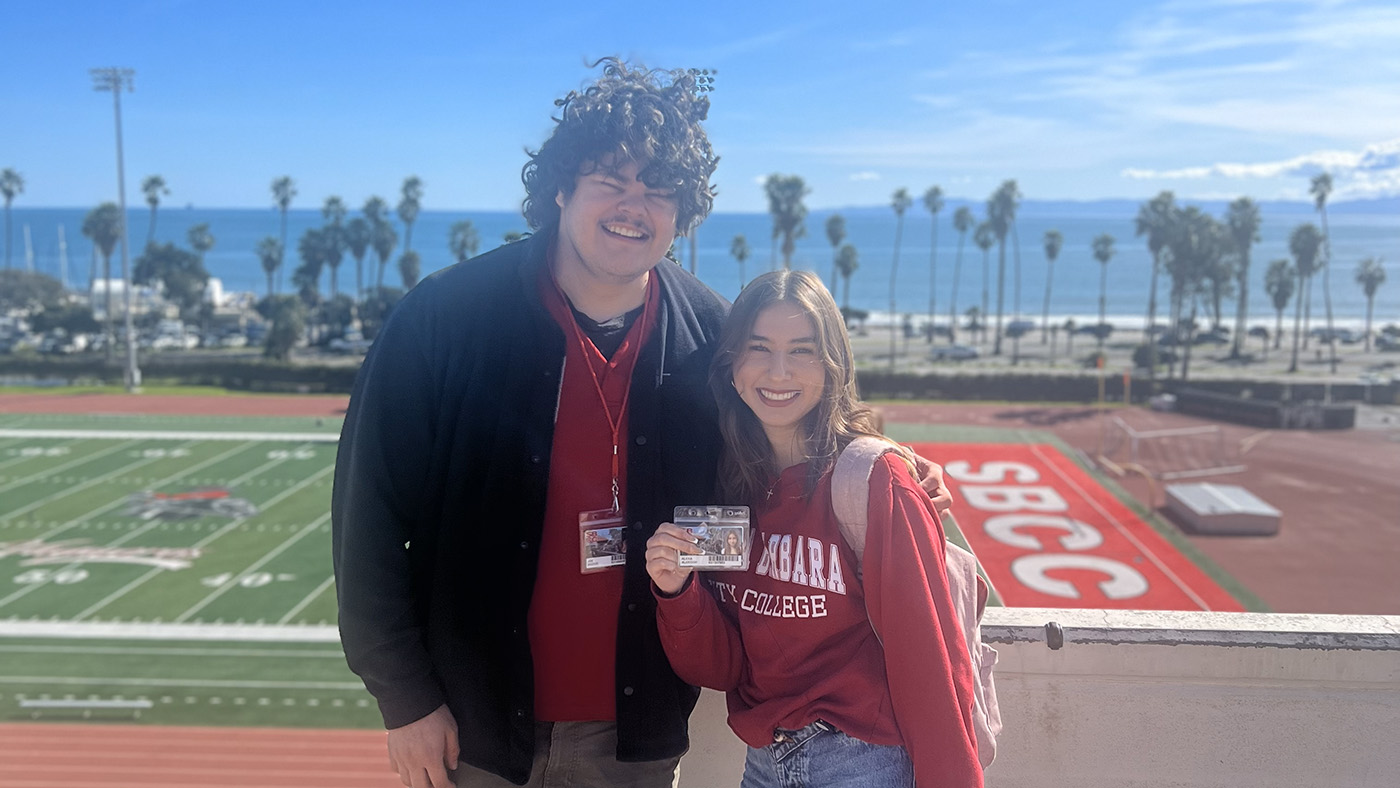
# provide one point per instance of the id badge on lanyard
(602, 540)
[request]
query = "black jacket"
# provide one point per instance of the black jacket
(439, 502)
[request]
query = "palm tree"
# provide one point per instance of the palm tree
(383, 238)
(985, 238)
(933, 201)
(1320, 188)
(785, 193)
(153, 187)
(1221, 278)
(103, 226)
(739, 250)
(1278, 283)
(410, 268)
(200, 239)
(269, 253)
(835, 233)
(408, 209)
(11, 184)
(1197, 244)
(463, 240)
(375, 210)
(333, 211)
(1154, 220)
(357, 238)
(962, 222)
(1054, 241)
(900, 202)
(1243, 221)
(1370, 275)
(311, 248)
(1305, 243)
(1103, 252)
(333, 243)
(847, 261)
(1001, 212)
(283, 190)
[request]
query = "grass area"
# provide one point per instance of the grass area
(158, 389)
(129, 532)
(141, 421)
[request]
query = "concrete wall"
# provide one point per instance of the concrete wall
(1158, 699)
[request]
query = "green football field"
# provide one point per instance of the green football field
(183, 562)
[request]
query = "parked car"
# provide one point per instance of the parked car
(1096, 330)
(352, 342)
(1344, 335)
(1019, 328)
(952, 353)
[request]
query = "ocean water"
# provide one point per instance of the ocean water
(1075, 286)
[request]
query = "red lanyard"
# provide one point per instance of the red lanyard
(614, 423)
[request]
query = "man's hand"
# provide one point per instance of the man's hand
(422, 752)
(930, 476)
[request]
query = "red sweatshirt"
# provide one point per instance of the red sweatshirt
(789, 639)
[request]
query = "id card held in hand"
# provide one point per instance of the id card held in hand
(721, 533)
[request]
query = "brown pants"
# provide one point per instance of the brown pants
(579, 755)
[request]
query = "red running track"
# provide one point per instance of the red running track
(65, 755)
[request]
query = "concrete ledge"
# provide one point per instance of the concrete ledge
(1176, 628)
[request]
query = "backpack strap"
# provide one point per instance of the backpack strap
(850, 490)
(850, 499)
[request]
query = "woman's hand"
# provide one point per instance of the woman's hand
(663, 553)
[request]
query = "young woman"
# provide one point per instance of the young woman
(837, 675)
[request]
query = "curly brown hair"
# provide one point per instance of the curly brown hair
(630, 113)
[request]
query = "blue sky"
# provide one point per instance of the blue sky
(1078, 99)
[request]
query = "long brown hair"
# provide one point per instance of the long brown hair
(747, 463)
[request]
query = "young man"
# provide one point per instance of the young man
(515, 411)
(553, 381)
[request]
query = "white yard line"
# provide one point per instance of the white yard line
(65, 466)
(309, 598)
(131, 630)
(199, 683)
(18, 458)
(133, 651)
(273, 501)
(174, 435)
(256, 565)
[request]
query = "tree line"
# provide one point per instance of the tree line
(1207, 262)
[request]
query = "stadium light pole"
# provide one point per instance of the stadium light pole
(115, 79)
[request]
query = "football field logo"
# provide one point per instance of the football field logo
(214, 501)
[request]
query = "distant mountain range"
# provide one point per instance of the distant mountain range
(1121, 207)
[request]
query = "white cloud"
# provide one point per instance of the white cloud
(866, 175)
(1369, 172)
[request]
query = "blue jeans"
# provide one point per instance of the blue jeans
(820, 756)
